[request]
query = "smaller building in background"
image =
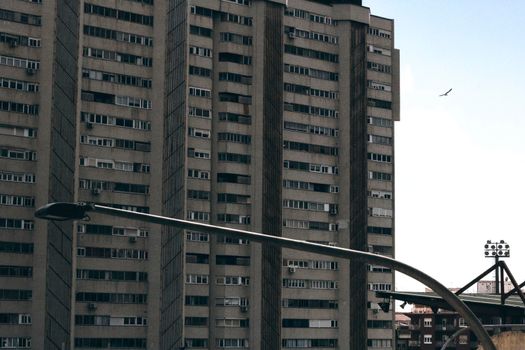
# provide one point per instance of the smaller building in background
(489, 287)
(427, 330)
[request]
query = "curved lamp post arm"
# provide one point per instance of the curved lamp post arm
(64, 211)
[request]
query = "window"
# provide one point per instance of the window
(240, 2)
(379, 343)
(115, 78)
(232, 343)
(232, 322)
(234, 219)
(198, 194)
(382, 140)
(16, 224)
(232, 260)
(110, 34)
(236, 78)
(108, 275)
(372, 102)
(16, 248)
(379, 324)
(235, 118)
(379, 230)
(380, 287)
(301, 33)
(16, 271)
(305, 52)
(234, 157)
(377, 157)
(383, 68)
(310, 303)
(196, 300)
(15, 294)
(236, 38)
(201, 11)
(15, 40)
(20, 17)
(384, 122)
(200, 112)
(234, 137)
(427, 339)
(232, 301)
(427, 322)
(201, 133)
(200, 71)
(380, 194)
(313, 110)
(379, 32)
(197, 236)
(15, 342)
(117, 57)
(200, 92)
(196, 343)
(230, 240)
(21, 108)
(311, 148)
(309, 343)
(376, 85)
(196, 321)
(201, 31)
(118, 14)
(114, 121)
(110, 343)
(235, 58)
(376, 175)
(233, 280)
(17, 62)
(200, 51)
(230, 17)
(233, 198)
(17, 201)
(195, 258)
(234, 178)
(19, 85)
(310, 72)
(306, 323)
(198, 174)
(114, 298)
(380, 212)
(314, 168)
(463, 339)
(198, 216)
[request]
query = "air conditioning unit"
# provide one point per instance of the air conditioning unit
(291, 269)
(132, 239)
(89, 125)
(96, 191)
(244, 308)
(92, 306)
(333, 211)
(291, 35)
(30, 71)
(13, 43)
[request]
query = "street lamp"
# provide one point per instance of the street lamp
(497, 250)
(77, 211)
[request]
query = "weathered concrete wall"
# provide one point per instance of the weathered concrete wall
(509, 341)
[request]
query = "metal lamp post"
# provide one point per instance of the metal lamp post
(78, 211)
(497, 250)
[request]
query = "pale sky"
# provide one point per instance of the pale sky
(460, 159)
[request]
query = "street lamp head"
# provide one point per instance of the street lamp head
(61, 211)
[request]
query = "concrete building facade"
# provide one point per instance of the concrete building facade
(272, 116)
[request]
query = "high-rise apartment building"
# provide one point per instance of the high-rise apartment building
(272, 116)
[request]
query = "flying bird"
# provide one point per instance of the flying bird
(446, 93)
